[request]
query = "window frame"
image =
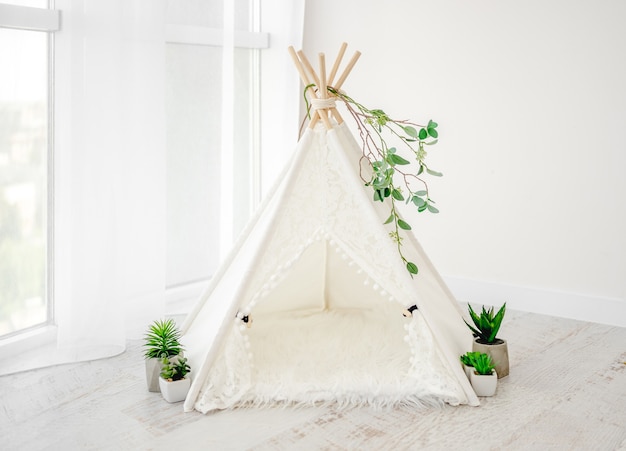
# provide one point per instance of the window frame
(45, 20)
(30, 18)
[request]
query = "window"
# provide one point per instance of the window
(212, 117)
(171, 213)
(212, 104)
(25, 156)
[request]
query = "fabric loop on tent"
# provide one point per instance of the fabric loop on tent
(409, 311)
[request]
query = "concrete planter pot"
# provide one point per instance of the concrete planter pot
(484, 385)
(499, 353)
(153, 370)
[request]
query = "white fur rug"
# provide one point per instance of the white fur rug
(340, 357)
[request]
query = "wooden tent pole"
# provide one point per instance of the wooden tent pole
(336, 115)
(323, 92)
(305, 80)
(321, 114)
(333, 72)
(306, 71)
(331, 77)
(314, 119)
(347, 70)
(323, 89)
(307, 66)
(300, 68)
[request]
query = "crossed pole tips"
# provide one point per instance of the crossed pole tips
(321, 100)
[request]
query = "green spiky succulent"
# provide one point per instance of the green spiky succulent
(487, 324)
(468, 358)
(483, 364)
(162, 339)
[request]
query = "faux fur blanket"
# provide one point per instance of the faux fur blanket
(341, 357)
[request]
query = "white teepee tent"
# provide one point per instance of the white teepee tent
(307, 308)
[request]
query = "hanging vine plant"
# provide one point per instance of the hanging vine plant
(394, 178)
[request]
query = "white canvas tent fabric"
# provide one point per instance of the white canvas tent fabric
(323, 288)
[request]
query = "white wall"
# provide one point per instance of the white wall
(530, 98)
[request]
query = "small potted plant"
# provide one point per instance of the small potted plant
(467, 360)
(174, 382)
(161, 340)
(485, 329)
(484, 378)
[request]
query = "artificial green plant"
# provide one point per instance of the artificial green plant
(174, 369)
(394, 177)
(486, 324)
(162, 339)
(483, 364)
(468, 358)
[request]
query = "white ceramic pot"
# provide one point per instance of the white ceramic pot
(175, 391)
(484, 385)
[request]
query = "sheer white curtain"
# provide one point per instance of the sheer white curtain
(109, 173)
(281, 91)
(280, 94)
(221, 79)
(110, 187)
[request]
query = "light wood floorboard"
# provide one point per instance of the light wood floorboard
(566, 391)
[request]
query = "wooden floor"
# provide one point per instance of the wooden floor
(566, 391)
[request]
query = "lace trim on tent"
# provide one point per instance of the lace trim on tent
(312, 214)
(230, 377)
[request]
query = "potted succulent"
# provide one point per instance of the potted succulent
(174, 382)
(485, 330)
(467, 360)
(161, 340)
(484, 378)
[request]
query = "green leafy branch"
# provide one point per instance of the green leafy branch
(393, 176)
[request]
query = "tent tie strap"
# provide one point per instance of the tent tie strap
(407, 313)
(246, 319)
